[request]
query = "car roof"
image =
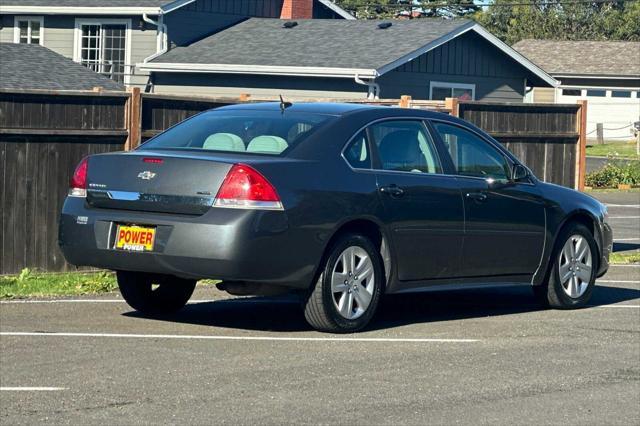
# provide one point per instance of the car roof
(309, 107)
(345, 109)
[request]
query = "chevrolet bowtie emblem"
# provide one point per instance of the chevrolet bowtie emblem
(146, 175)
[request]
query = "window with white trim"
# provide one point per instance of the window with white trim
(439, 91)
(103, 48)
(28, 29)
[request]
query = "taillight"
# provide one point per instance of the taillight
(78, 182)
(246, 188)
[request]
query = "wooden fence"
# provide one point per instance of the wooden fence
(548, 138)
(44, 134)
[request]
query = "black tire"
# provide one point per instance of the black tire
(551, 293)
(170, 295)
(321, 311)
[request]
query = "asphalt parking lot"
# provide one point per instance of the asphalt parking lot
(487, 356)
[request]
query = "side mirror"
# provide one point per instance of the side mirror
(519, 173)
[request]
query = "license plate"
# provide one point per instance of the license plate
(135, 238)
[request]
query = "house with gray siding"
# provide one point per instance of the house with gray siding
(423, 58)
(112, 36)
(604, 73)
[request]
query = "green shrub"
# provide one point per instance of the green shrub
(615, 173)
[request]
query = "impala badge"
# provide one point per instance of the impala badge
(146, 175)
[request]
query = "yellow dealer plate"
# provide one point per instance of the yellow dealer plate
(135, 238)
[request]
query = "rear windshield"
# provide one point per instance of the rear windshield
(256, 132)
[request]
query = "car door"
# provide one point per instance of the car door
(504, 219)
(423, 207)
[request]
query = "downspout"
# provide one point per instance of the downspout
(162, 46)
(373, 91)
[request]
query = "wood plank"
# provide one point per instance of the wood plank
(3, 203)
(62, 132)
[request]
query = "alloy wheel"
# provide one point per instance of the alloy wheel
(575, 266)
(352, 282)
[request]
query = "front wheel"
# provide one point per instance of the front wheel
(573, 271)
(347, 292)
(154, 294)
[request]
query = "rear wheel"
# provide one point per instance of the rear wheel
(573, 272)
(154, 294)
(346, 295)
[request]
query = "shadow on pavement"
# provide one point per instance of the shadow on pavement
(284, 314)
(625, 246)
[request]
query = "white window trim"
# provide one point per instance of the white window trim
(447, 85)
(77, 41)
(16, 27)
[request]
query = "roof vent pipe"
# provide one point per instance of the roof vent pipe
(384, 25)
(290, 24)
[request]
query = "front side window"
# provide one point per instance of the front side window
(103, 49)
(442, 90)
(405, 146)
(28, 30)
(255, 132)
(471, 155)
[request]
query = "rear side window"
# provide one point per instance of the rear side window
(405, 146)
(471, 155)
(256, 132)
(357, 153)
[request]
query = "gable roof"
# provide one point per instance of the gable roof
(97, 7)
(31, 66)
(584, 58)
(115, 7)
(331, 48)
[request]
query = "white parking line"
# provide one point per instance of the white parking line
(626, 239)
(618, 281)
(631, 206)
(250, 338)
(29, 302)
(624, 217)
(30, 389)
(615, 306)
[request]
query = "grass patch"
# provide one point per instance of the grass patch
(613, 149)
(624, 258)
(610, 190)
(30, 284)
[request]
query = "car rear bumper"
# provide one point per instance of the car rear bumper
(226, 244)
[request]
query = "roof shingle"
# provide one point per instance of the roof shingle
(86, 3)
(31, 66)
(610, 58)
(332, 43)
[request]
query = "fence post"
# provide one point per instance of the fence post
(451, 104)
(581, 149)
(600, 133)
(405, 101)
(133, 118)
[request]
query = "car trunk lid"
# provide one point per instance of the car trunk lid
(158, 182)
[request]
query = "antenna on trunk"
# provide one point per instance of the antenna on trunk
(284, 105)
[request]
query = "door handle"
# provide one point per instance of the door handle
(477, 196)
(393, 190)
